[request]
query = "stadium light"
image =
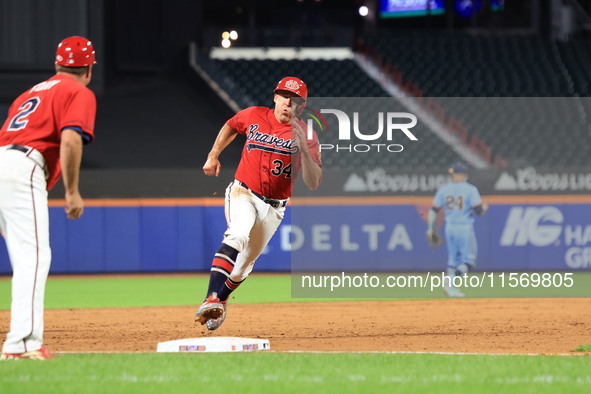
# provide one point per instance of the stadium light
(363, 10)
(225, 35)
(233, 35)
(226, 43)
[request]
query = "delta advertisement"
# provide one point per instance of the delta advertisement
(372, 237)
(392, 238)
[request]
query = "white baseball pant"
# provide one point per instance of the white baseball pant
(24, 221)
(251, 225)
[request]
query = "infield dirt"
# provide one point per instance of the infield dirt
(548, 326)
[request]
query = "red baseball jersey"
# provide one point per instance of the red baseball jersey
(270, 160)
(38, 116)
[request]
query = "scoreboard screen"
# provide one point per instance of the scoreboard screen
(407, 8)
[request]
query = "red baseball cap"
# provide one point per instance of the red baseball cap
(294, 85)
(75, 52)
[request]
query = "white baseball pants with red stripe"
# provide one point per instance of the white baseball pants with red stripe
(24, 221)
(251, 225)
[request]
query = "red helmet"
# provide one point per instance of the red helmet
(294, 85)
(75, 52)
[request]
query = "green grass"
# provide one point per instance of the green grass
(146, 290)
(583, 348)
(158, 290)
(297, 373)
(150, 290)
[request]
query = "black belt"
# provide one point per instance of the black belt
(271, 201)
(26, 150)
(23, 149)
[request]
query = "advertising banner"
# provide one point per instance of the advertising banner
(375, 234)
(384, 181)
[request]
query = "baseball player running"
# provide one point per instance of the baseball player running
(41, 139)
(460, 200)
(276, 150)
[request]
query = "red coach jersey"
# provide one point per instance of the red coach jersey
(270, 160)
(38, 116)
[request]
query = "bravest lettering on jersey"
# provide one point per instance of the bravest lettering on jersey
(43, 86)
(270, 143)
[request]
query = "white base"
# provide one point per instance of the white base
(213, 344)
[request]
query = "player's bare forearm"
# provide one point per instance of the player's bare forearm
(431, 218)
(70, 158)
(311, 172)
(225, 137)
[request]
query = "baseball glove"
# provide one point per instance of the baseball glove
(434, 239)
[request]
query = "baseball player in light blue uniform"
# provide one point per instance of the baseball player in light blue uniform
(460, 200)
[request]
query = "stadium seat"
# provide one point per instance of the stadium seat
(537, 82)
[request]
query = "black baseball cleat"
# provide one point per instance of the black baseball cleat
(214, 324)
(211, 308)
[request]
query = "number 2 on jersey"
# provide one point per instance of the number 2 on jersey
(18, 122)
(451, 202)
(281, 168)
